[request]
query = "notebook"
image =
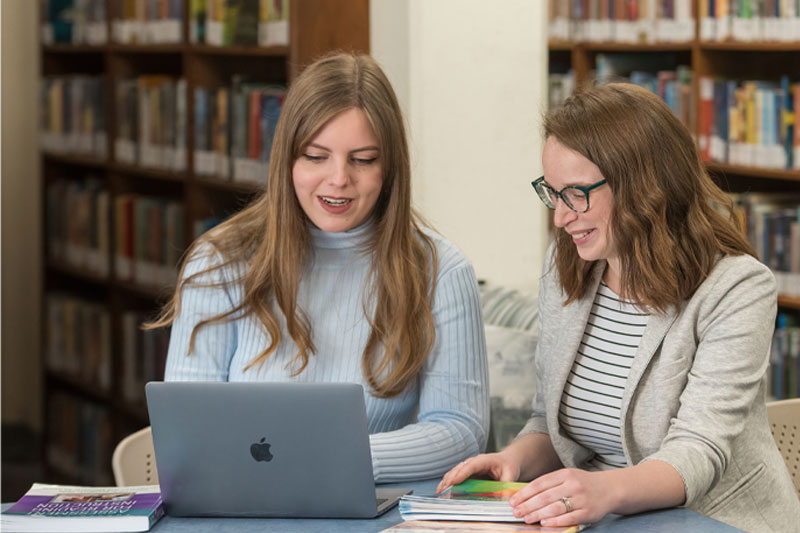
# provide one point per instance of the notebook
(264, 450)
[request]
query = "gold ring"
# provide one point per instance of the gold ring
(566, 503)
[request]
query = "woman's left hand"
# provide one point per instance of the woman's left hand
(565, 497)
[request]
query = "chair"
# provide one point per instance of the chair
(134, 461)
(784, 421)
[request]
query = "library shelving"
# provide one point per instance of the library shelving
(126, 187)
(740, 72)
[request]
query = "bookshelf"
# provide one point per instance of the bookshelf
(738, 45)
(93, 364)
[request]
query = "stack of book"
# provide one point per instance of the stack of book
(472, 500)
(54, 508)
(474, 505)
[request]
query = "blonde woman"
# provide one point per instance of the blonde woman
(330, 276)
(656, 322)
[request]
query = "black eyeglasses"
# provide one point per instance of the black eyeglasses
(576, 197)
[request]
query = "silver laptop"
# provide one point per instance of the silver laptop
(264, 449)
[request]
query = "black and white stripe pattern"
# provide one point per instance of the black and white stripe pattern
(590, 406)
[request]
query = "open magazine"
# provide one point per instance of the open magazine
(57, 508)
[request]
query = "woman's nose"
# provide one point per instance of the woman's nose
(563, 215)
(339, 175)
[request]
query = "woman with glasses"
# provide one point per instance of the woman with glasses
(656, 321)
(330, 276)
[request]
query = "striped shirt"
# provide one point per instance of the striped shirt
(590, 405)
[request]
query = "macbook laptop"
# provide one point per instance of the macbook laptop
(264, 449)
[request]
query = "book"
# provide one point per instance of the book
(54, 508)
(439, 526)
(473, 500)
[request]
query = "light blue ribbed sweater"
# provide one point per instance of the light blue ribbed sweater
(441, 419)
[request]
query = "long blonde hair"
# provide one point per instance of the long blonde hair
(670, 221)
(272, 239)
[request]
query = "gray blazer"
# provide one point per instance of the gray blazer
(694, 396)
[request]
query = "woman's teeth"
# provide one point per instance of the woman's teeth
(335, 201)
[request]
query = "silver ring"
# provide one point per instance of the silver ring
(566, 503)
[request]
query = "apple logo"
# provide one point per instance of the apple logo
(260, 450)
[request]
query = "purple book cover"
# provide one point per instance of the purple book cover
(49, 501)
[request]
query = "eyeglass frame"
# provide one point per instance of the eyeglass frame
(585, 189)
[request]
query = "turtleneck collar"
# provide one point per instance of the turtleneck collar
(354, 238)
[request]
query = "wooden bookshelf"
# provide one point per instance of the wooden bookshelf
(315, 27)
(789, 302)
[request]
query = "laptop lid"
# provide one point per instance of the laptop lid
(264, 449)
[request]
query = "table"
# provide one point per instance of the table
(662, 521)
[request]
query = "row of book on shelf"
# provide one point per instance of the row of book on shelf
(79, 342)
(240, 23)
(79, 346)
(749, 20)
(213, 22)
(629, 21)
(144, 355)
(151, 122)
(148, 232)
(772, 222)
(739, 122)
(79, 438)
(149, 239)
(744, 122)
(73, 115)
(652, 21)
(784, 376)
(658, 74)
(233, 126)
(750, 122)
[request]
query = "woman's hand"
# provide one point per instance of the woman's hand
(493, 465)
(565, 497)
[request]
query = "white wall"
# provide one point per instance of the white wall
(471, 77)
(20, 223)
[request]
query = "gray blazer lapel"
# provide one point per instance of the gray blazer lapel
(657, 327)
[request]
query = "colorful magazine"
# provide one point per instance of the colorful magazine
(55, 508)
(474, 499)
(482, 503)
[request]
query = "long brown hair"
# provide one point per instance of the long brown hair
(272, 239)
(669, 220)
